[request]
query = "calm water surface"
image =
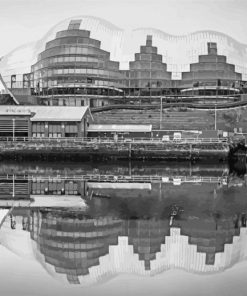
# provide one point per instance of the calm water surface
(123, 229)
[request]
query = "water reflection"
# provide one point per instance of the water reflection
(85, 231)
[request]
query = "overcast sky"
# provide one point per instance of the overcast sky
(22, 21)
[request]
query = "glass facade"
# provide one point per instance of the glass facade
(74, 63)
(148, 73)
(211, 71)
(76, 244)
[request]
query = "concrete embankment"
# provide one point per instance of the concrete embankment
(179, 150)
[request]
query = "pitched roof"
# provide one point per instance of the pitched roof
(47, 113)
(59, 113)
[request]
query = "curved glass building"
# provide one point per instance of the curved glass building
(148, 74)
(90, 56)
(74, 64)
(212, 73)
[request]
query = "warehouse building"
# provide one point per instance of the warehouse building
(44, 121)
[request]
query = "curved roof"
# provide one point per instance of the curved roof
(167, 35)
(178, 50)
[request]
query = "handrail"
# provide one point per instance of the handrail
(78, 140)
(117, 178)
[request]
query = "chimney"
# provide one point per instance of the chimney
(149, 40)
(212, 48)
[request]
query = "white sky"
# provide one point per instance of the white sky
(22, 21)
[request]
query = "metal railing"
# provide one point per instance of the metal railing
(177, 180)
(45, 140)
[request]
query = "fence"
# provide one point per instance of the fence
(110, 140)
(176, 180)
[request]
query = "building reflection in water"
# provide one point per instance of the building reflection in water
(96, 230)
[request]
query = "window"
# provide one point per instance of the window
(73, 49)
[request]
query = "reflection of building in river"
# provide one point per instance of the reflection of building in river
(23, 189)
(73, 245)
(81, 249)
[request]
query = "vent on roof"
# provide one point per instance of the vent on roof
(74, 25)
(149, 40)
(212, 48)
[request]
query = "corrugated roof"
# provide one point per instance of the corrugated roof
(47, 113)
(59, 113)
(120, 128)
(106, 185)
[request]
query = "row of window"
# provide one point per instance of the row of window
(151, 75)
(63, 71)
(54, 128)
(68, 134)
(147, 65)
(212, 59)
(73, 40)
(68, 102)
(93, 234)
(148, 49)
(66, 50)
(99, 61)
(211, 75)
(213, 66)
(55, 185)
(55, 192)
(144, 83)
(75, 83)
(148, 57)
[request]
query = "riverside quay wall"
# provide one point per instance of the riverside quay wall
(76, 148)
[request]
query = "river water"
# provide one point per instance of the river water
(135, 228)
